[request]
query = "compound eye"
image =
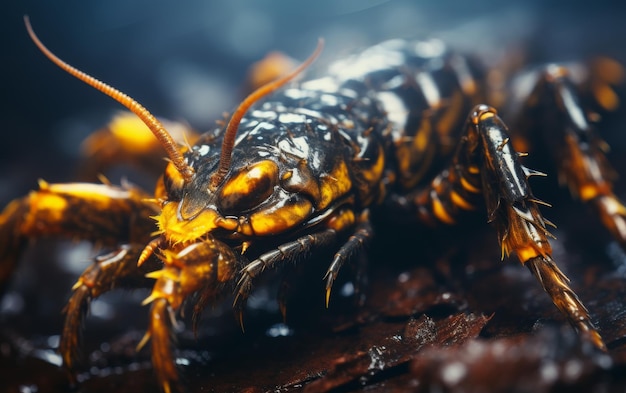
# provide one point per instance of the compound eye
(248, 188)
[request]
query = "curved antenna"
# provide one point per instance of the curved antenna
(153, 124)
(233, 124)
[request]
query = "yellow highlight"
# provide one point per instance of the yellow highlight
(334, 185)
(97, 193)
(460, 201)
(422, 140)
(278, 220)
(52, 203)
(486, 115)
(454, 110)
(441, 212)
(45, 207)
(588, 192)
(526, 253)
(468, 186)
(176, 178)
(342, 221)
(229, 224)
(374, 173)
(606, 97)
(183, 231)
(247, 181)
(473, 169)
(132, 133)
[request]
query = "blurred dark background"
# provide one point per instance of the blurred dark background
(187, 60)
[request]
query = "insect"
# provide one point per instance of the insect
(302, 168)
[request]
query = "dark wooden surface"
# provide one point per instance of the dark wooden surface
(442, 312)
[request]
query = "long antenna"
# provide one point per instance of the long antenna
(233, 124)
(159, 131)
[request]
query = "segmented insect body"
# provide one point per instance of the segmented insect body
(315, 157)
(374, 126)
(308, 165)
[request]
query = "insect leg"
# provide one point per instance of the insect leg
(363, 233)
(487, 164)
(554, 110)
(204, 268)
(287, 252)
(113, 270)
(100, 213)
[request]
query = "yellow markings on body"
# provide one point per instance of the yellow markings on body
(228, 223)
(88, 191)
(445, 125)
(459, 201)
(51, 202)
(278, 219)
(45, 207)
(421, 141)
(132, 133)
(77, 284)
(606, 97)
(183, 231)
(375, 172)
(342, 220)
(527, 252)
(246, 182)
(588, 192)
(127, 135)
(486, 115)
(467, 186)
(604, 73)
(372, 175)
(526, 235)
(175, 177)
(440, 211)
(334, 185)
(415, 150)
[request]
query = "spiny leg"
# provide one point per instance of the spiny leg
(363, 233)
(206, 269)
(117, 269)
(555, 110)
(555, 283)
(487, 165)
(521, 228)
(287, 252)
(104, 214)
